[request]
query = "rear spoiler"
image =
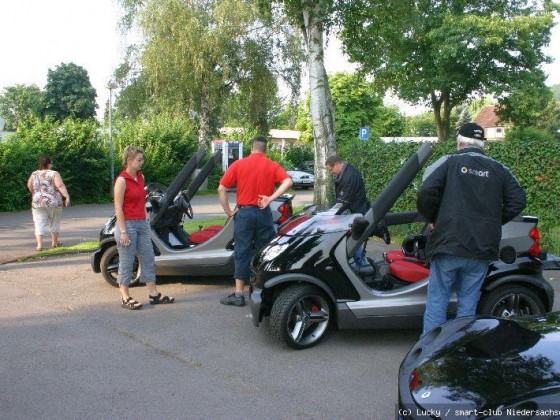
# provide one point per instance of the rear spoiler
(176, 185)
(388, 196)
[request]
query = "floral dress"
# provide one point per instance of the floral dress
(45, 193)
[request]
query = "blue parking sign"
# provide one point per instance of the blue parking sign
(364, 133)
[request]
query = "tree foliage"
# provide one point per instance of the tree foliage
(441, 53)
(556, 91)
(69, 93)
(421, 125)
(18, 103)
(196, 54)
(78, 155)
(357, 104)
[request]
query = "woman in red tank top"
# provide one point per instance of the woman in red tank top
(132, 231)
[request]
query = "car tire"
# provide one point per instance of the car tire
(300, 316)
(511, 301)
(109, 267)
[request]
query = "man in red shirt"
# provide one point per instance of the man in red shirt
(255, 178)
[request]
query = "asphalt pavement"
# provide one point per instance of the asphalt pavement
(69, 351)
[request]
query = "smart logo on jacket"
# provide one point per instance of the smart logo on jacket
(469, 171)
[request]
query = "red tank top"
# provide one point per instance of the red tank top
(134, 204)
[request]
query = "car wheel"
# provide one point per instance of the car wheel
(109, 266)
(511, 301)
(300, 316)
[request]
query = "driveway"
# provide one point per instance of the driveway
(83, 223)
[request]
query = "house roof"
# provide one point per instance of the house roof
(284, 134)
(487, 117)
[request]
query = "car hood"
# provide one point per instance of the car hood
(493, 363)
(300, 174)
(312, 224)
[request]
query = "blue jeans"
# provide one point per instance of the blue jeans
(252, 230)
(445, 271)
(360, 258)
(141, 245)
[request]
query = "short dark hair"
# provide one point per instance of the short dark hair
(44, 162)
(259, 144)
(333, 160)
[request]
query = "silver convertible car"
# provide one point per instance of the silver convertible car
(207, 252)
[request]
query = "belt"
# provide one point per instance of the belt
(241, 206)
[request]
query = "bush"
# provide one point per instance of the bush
(534, 158)
(168, 143)
(532, 155)
(77, 154)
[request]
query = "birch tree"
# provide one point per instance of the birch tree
(312, 17)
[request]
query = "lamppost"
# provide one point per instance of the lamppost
(111, 86)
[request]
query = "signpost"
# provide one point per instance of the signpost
(364, 133)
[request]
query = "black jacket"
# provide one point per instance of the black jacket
(468, 196)
(350, 190)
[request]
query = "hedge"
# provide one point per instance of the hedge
(532, 155)
(80, 153)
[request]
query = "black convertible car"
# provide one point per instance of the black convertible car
(484, 368)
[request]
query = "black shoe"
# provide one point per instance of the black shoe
(233, 300)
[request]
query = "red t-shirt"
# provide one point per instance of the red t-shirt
(134, 204)
(254, 175)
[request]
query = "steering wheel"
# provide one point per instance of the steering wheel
(386, 235)
(189, 211)
(184, 206)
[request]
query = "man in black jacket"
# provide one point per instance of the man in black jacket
(350, 191)
(467, 197)
(348, 185)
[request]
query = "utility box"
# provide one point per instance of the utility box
(231, 151)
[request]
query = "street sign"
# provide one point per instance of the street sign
(364, 133)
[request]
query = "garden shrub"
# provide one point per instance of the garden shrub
(77, 154)
(168, 143)
(532, 155)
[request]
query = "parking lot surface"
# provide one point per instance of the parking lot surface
(69, 351)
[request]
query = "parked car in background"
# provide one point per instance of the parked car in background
(484, 368)
(303, 180)
(307, 166)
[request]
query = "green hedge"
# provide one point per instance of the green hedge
(80, 153)
(532, 155)
(168, 143)
(77, 155)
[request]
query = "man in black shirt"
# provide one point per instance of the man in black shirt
(350, 192)
(467, 197)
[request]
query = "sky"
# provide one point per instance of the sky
(38, 35)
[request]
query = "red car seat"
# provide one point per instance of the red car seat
(409, 271)
(204, 234)
(409, 265)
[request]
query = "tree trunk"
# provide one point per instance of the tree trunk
(442, 121)
(204, 121)
(322, 107)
